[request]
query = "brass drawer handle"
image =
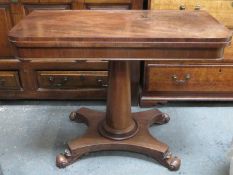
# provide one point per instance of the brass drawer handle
(2, 82)
(182, 7)
(180, 81)
(197, 7)
(102, 83)
(61, 84)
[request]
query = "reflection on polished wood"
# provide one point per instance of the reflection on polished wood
(145, 34)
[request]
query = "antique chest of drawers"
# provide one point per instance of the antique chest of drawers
(164, 81)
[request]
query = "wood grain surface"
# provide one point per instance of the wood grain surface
(118, 26)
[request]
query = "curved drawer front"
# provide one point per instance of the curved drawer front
(189, 78)
(9, 80)
(72, 79)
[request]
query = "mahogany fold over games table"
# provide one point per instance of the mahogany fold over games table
(119, 37)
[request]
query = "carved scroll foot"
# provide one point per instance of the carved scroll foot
(73, 115)
(172, 163)
(155, 116)
(78, 117)
(63, 160)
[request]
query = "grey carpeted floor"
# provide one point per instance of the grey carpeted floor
(33, 133)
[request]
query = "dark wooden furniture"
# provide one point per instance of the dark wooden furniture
(190, 80)
(52, 79)
(30, 85)
(119, 37)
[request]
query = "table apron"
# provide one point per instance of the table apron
(119, 53)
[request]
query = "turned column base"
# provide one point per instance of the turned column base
(140, 142)
(109, 133)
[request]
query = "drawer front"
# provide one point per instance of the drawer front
(9, 80)
(107, 5)
(220, 9)
(189, 78)
(29, 8)
(72, 79)
(167, 4)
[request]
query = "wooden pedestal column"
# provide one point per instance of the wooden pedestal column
(119, 123)
(118, 128)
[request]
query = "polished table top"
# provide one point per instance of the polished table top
(119, 29)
